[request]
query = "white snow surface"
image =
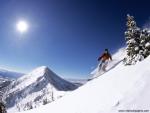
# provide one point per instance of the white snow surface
(33, 89)
(4, 82)
(147, 45)
(6, 77)
(121, 88)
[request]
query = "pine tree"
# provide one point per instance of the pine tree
(132, 37)
(138, 42)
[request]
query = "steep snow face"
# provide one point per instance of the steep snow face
(41, 86)
(121, 88)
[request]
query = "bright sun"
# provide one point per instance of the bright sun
(22, 26)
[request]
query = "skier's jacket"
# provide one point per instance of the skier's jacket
(105, 56)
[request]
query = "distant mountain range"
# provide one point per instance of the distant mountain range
(9, 74)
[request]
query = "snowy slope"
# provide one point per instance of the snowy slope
(41, 86)
(6, 77)
(4, 82)
(121, 88)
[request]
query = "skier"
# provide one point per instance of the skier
(104, 58)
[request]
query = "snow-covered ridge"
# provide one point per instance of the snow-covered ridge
(39, 87)
(121, 88)
(44, 72)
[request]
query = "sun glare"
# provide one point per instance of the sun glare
(22, 26)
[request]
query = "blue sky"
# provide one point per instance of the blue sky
(66, 35)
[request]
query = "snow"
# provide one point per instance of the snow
(120, 88)
(116, 58)
(31, 90)
(147, 45)
(6, 77)
(131, 41)
(9, 74)
(136, 48)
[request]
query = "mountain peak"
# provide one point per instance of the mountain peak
(34, 87)
(41, 68)
(39, 71)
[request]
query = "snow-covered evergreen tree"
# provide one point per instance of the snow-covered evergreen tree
(145, 42)
(138, 42)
